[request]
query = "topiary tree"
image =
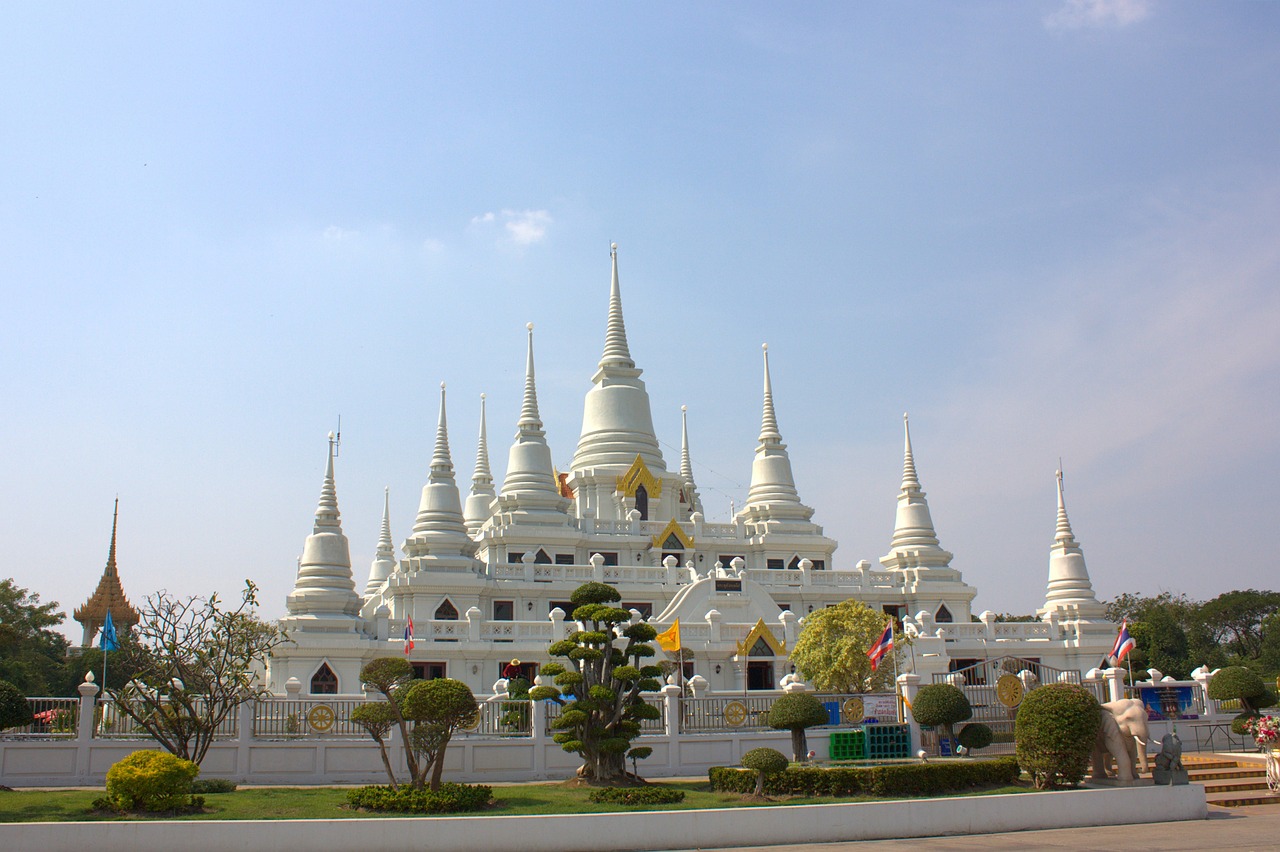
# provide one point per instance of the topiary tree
(765, 761)
(599, 686)
(1241, 684)
(1055, 729)
(794, 712)
(389, 676)
(377, 717)
(941, 705)
(439, 708)
(15, 710)
(975, 736)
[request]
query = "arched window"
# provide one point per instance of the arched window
(642, 502)
(447, 611)
(324, 681)
(943, 615)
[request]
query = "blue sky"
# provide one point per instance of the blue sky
(1046, 229)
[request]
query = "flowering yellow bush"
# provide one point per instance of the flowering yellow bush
(151, 781)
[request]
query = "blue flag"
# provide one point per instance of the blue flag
(107, 641)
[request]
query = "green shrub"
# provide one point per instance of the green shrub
(636, 796)
(941, 705)
(975, 736)
(212, 785)
(892, 780)
(1055, 731)
(151, 781)
(15, 710)
(1242, 684)
(449, 799)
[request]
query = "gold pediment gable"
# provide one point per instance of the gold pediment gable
(758, 633)
(673, 529)
(639, 474)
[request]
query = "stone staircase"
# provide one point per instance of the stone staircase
(1229, 782)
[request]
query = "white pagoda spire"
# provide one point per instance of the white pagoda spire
(384, 559)
(772, 483)
(617, 421)
(915, 543)
(324, 587)
(530, 487)
(686, 466)
(1069, 586)
(479, 504)
(439, 529)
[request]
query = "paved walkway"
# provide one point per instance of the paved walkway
(1255, 828)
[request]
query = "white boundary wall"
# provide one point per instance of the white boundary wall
(702, 829)
(68, 763)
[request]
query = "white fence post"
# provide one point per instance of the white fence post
(538, 736)
(84, 727)
(908, 685)
(246, 713)
(671, 696)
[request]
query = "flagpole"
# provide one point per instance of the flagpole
(893, 649)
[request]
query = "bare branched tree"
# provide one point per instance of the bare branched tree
(195, 661)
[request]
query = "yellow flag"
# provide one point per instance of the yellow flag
(669, 639)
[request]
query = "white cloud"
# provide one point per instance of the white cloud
(526, 227)
(522, 227)
(1098, 14)
(337, 234)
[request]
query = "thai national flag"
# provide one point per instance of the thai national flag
(408, 635)
(882, 646)
(1124, 642)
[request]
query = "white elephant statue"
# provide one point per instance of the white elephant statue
(1131, 715)
(1118, 745)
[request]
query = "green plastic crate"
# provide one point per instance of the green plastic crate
(847, 745)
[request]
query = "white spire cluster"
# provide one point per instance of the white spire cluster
(617, 420)
(1069, 586)
(384, 558)
(479, 506)
(773, 486)
(324, 586)
(915, 543)
(686, 466)
(439, 529)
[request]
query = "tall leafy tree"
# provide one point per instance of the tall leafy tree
(831, 651)
(31, 653)
(599, 684)
(1235, 619)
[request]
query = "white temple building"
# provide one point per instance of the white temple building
(486, 581)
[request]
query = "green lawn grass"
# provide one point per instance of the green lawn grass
(331, 803)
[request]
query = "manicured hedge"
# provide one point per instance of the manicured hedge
(903, 779)
(636, 795)
(449, 799)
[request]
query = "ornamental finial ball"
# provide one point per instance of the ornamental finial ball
(904, 417)
(764, 346)
(442, 386)
(330, 436)
(482, 396)
(684, 408)
(529, 326)
(613, 246)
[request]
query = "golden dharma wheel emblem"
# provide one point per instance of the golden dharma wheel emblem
(854, 711)
(1009, 690)
(320, 718)
(735, 713)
